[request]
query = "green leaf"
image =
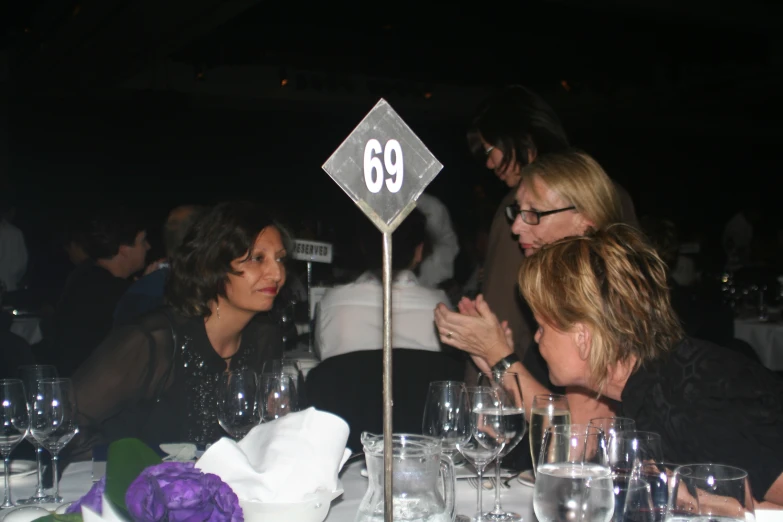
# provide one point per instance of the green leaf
(127, 458)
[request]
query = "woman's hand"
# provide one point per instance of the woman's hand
(475, 330)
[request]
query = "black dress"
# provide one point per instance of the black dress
(156, 380)
(710, 404)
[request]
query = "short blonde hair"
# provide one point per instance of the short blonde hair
(579, 180)
(613, 282)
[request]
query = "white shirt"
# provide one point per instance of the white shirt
(13, 255)
(439, 265)
(350, 317)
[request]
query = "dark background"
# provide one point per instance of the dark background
(157, 103)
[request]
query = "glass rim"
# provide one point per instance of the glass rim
(11, 381)
(53, 380)
(583, 429)
(734, 473)
(456, 384)
(549, 396)
(625, 434)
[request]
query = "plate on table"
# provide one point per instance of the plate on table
(527, 478)
(22, 468)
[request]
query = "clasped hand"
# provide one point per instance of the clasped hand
(476, 330)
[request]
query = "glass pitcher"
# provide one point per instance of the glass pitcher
(418, 494)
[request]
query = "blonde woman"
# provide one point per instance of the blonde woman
(559, 195)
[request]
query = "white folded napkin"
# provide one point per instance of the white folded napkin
(285, 460)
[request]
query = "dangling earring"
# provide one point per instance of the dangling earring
(217, 309)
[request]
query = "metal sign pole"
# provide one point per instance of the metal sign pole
(309, 305)
(387, 379)
(384, 167)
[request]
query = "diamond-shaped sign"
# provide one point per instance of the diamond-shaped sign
(383, 166)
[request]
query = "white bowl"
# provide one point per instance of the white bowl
(313, 509)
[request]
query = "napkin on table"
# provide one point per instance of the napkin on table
(283, 461)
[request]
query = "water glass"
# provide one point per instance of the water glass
(446, 415)
(277, 396)
(710, 491)
(547, 410)
(14, 423)
(237, 407)
(30, 375)
(573, 480)
(513, 427)
(485, 417)
(53, 420)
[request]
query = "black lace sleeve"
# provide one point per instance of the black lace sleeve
(128, 367)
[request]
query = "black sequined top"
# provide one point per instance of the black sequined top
(139, 384)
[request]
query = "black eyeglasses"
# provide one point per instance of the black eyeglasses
(531, 217)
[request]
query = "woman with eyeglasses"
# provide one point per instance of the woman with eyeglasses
(559, 195)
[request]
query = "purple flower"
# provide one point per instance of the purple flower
(93, 499)
(178, 492)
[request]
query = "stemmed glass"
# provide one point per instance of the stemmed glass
(237, 407)
(573, 479)
(53, 420)
(277, 396)
(445, 415)
(513, 428)
(628, 453)
(613, 425)
(485, 418)
(710, 491)
(15, 421)
(547, 410)
(30, 375)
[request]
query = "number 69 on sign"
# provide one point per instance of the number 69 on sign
(374, 169)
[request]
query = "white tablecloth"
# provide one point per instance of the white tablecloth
(765, 338)
(77, 480)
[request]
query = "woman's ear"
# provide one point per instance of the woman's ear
(583, 339)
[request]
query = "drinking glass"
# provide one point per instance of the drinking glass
(573, 479)
(658, 475)
(628, 452)
(547, 410)
(237, 406)
(612, 425)
(30, 375)
(513, 427)
(289, 367)
(710, 492)
(14, 423)
(446, 415)
(277, 396)
(53, 420)
(485, 418)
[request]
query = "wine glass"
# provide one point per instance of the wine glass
(513, 427)
(237, 406)
(485, 418)
(612, 425)
(547, 410)
(445, 415)
(710, 491)
(14, 423)
(53, 420)
(573, 479)
(277, 396)
(30, 375)
(289, 367)
(628, 452)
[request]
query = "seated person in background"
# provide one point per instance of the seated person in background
(14, 350)
(606, 323)
(146, 293)
(350, 317)
(13, 251)
(155, 379)
(707, 319)
(116, 244)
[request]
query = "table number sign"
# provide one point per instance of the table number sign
(384, 167)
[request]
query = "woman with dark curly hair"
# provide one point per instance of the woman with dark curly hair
(155, 378)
